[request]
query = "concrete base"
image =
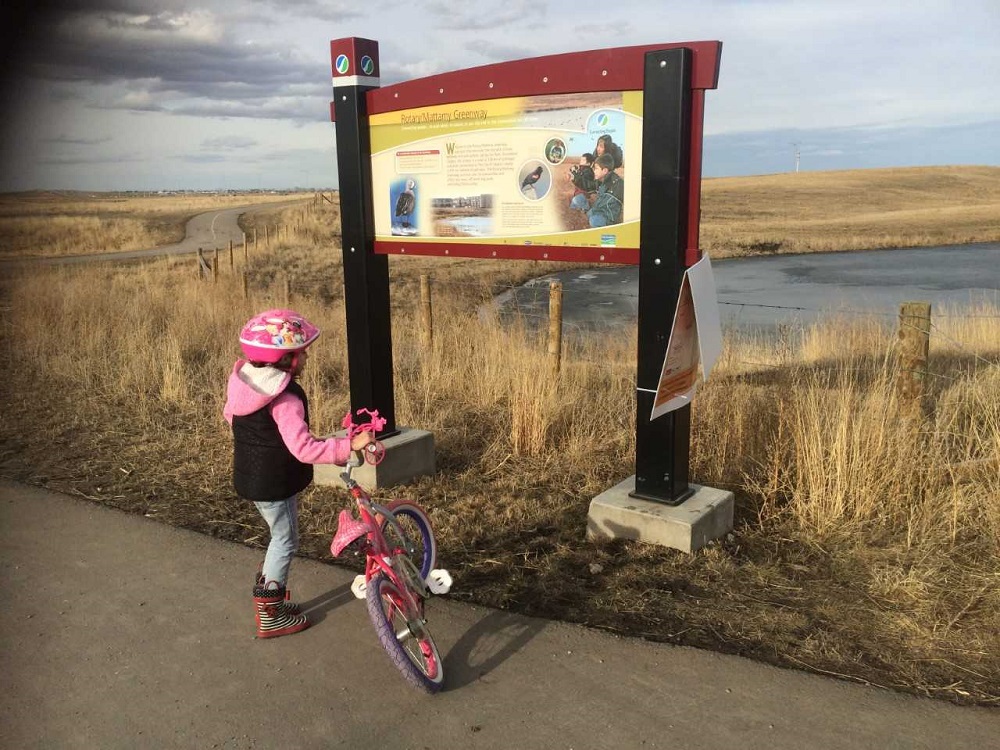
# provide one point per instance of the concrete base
(408, 455)
(703, 517)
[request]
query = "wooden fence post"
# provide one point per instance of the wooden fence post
(215, 267)
(426, 317)
(246, 290)
(914, 345)
(246, 253)
(230, 256)
(555, 325)
(255, 238)
(267, 237)
(203, 267)
(288, 290)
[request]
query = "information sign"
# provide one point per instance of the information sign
(516, 171)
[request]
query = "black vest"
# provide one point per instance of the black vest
(263, 468)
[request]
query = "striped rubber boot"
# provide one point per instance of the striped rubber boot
(273, 618)
(288, 606)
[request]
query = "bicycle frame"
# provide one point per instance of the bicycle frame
(399, 566)
(380, 557)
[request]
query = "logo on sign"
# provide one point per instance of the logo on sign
(343, 64)
(603, 120)
(367, 65)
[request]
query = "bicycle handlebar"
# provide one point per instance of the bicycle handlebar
(374, 452)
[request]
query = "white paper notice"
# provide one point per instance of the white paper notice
(695, 340)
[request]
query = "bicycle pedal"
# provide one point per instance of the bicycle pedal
(439, 581)
(359, 586)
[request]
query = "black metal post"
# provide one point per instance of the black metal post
(366, 275)
(662, 445)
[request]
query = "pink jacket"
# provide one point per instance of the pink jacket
(251, 388)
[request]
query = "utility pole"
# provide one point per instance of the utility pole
(796, 147)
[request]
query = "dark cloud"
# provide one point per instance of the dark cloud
(69, 141)
(170, 59)
(63, 7)
(304, 110)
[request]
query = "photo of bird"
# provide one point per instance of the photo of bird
(535, 180)
(532, 178)
(405, 204)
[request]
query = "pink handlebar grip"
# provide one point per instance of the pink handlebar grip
(374, 452)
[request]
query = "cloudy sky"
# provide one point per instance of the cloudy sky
(204, 94)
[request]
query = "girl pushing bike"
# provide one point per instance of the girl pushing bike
(273, 450)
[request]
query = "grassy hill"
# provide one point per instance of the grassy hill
(850, 210)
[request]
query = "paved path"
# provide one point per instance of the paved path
(121, 632)
(210, 230)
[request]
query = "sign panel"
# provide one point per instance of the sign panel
(554, 170)
(695, 340)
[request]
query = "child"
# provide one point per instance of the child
(607, 208)
(582, 176)
(605, 145)
(274, 450)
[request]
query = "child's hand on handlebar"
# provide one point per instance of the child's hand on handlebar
(362, 435)
(359, 441)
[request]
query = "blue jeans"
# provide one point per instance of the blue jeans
(282, 518)
(596, 219)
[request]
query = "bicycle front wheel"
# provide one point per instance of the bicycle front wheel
(403, 634)
(417, 527)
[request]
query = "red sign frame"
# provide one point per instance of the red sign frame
(618, 69)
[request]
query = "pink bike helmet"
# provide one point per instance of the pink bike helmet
(269, 336)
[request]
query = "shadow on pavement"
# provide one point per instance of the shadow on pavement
(486, 645)
(318, 607)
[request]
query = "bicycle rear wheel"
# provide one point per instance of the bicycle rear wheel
(404, 635)
(417, 528)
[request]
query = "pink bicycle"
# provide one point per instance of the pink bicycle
(400, 552)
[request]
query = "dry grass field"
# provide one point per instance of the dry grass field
(867, 540)
(850, 210)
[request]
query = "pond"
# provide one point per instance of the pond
(768, 292)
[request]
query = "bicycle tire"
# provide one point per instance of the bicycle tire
(408, 516)
(415, 656)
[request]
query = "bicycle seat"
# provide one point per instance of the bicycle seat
(348, 529)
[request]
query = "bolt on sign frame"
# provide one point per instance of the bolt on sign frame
(460, 137)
